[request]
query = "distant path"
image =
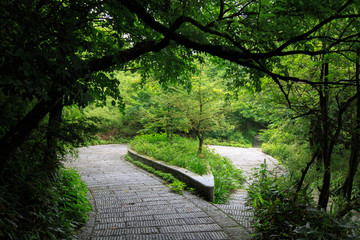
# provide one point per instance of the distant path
(247, 159)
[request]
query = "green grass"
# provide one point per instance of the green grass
(183, 153)
(230, 143)
(175, 184)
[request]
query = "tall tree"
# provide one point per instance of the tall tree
(355, 137)
(52, 51)
(205, 107)
(69, 41)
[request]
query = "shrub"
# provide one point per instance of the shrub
(177, 186)
(38, 208)
(227, 177)
(282, 213)
(232, 137)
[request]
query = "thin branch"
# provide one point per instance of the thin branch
(240, 12)
(315, 28)
(304, 172)
(206, 29)
(276, 80)
(221, 11)
(311, 111)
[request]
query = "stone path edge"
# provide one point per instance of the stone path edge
(204, 184)
(86, 230)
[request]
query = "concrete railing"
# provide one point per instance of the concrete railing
(204, 185)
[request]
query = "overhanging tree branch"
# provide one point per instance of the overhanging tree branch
(21, 130)
(121, 57)
(220, 51)
(311, 31)
(243, 56)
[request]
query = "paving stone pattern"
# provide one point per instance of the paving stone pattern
(236, 208)
(129, 203)
(245, 159)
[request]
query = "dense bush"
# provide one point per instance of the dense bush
(294, 153)
(232, 138)
(282, 213)
(40, 207)
(232, 143)
(183, 152)
(94, 125)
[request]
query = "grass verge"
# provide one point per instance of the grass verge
(175, 184)
(182, 152)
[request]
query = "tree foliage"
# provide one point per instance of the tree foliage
(56, 53)
(194, 109)
(56, 57)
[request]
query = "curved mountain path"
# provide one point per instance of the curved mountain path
(130, 203)
(247, 159)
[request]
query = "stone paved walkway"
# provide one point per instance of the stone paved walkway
(129, 203)
(245, 159)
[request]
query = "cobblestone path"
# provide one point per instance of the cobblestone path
(129, 203)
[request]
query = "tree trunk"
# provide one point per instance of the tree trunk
(167, 130)
(21, 130)
(326, 154)
(55, 119)
(304, 172)
(201, 136)
(172, 136)
(355, 139)
(172, 130)
(315, 142)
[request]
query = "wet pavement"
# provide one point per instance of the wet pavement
(130, 203)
